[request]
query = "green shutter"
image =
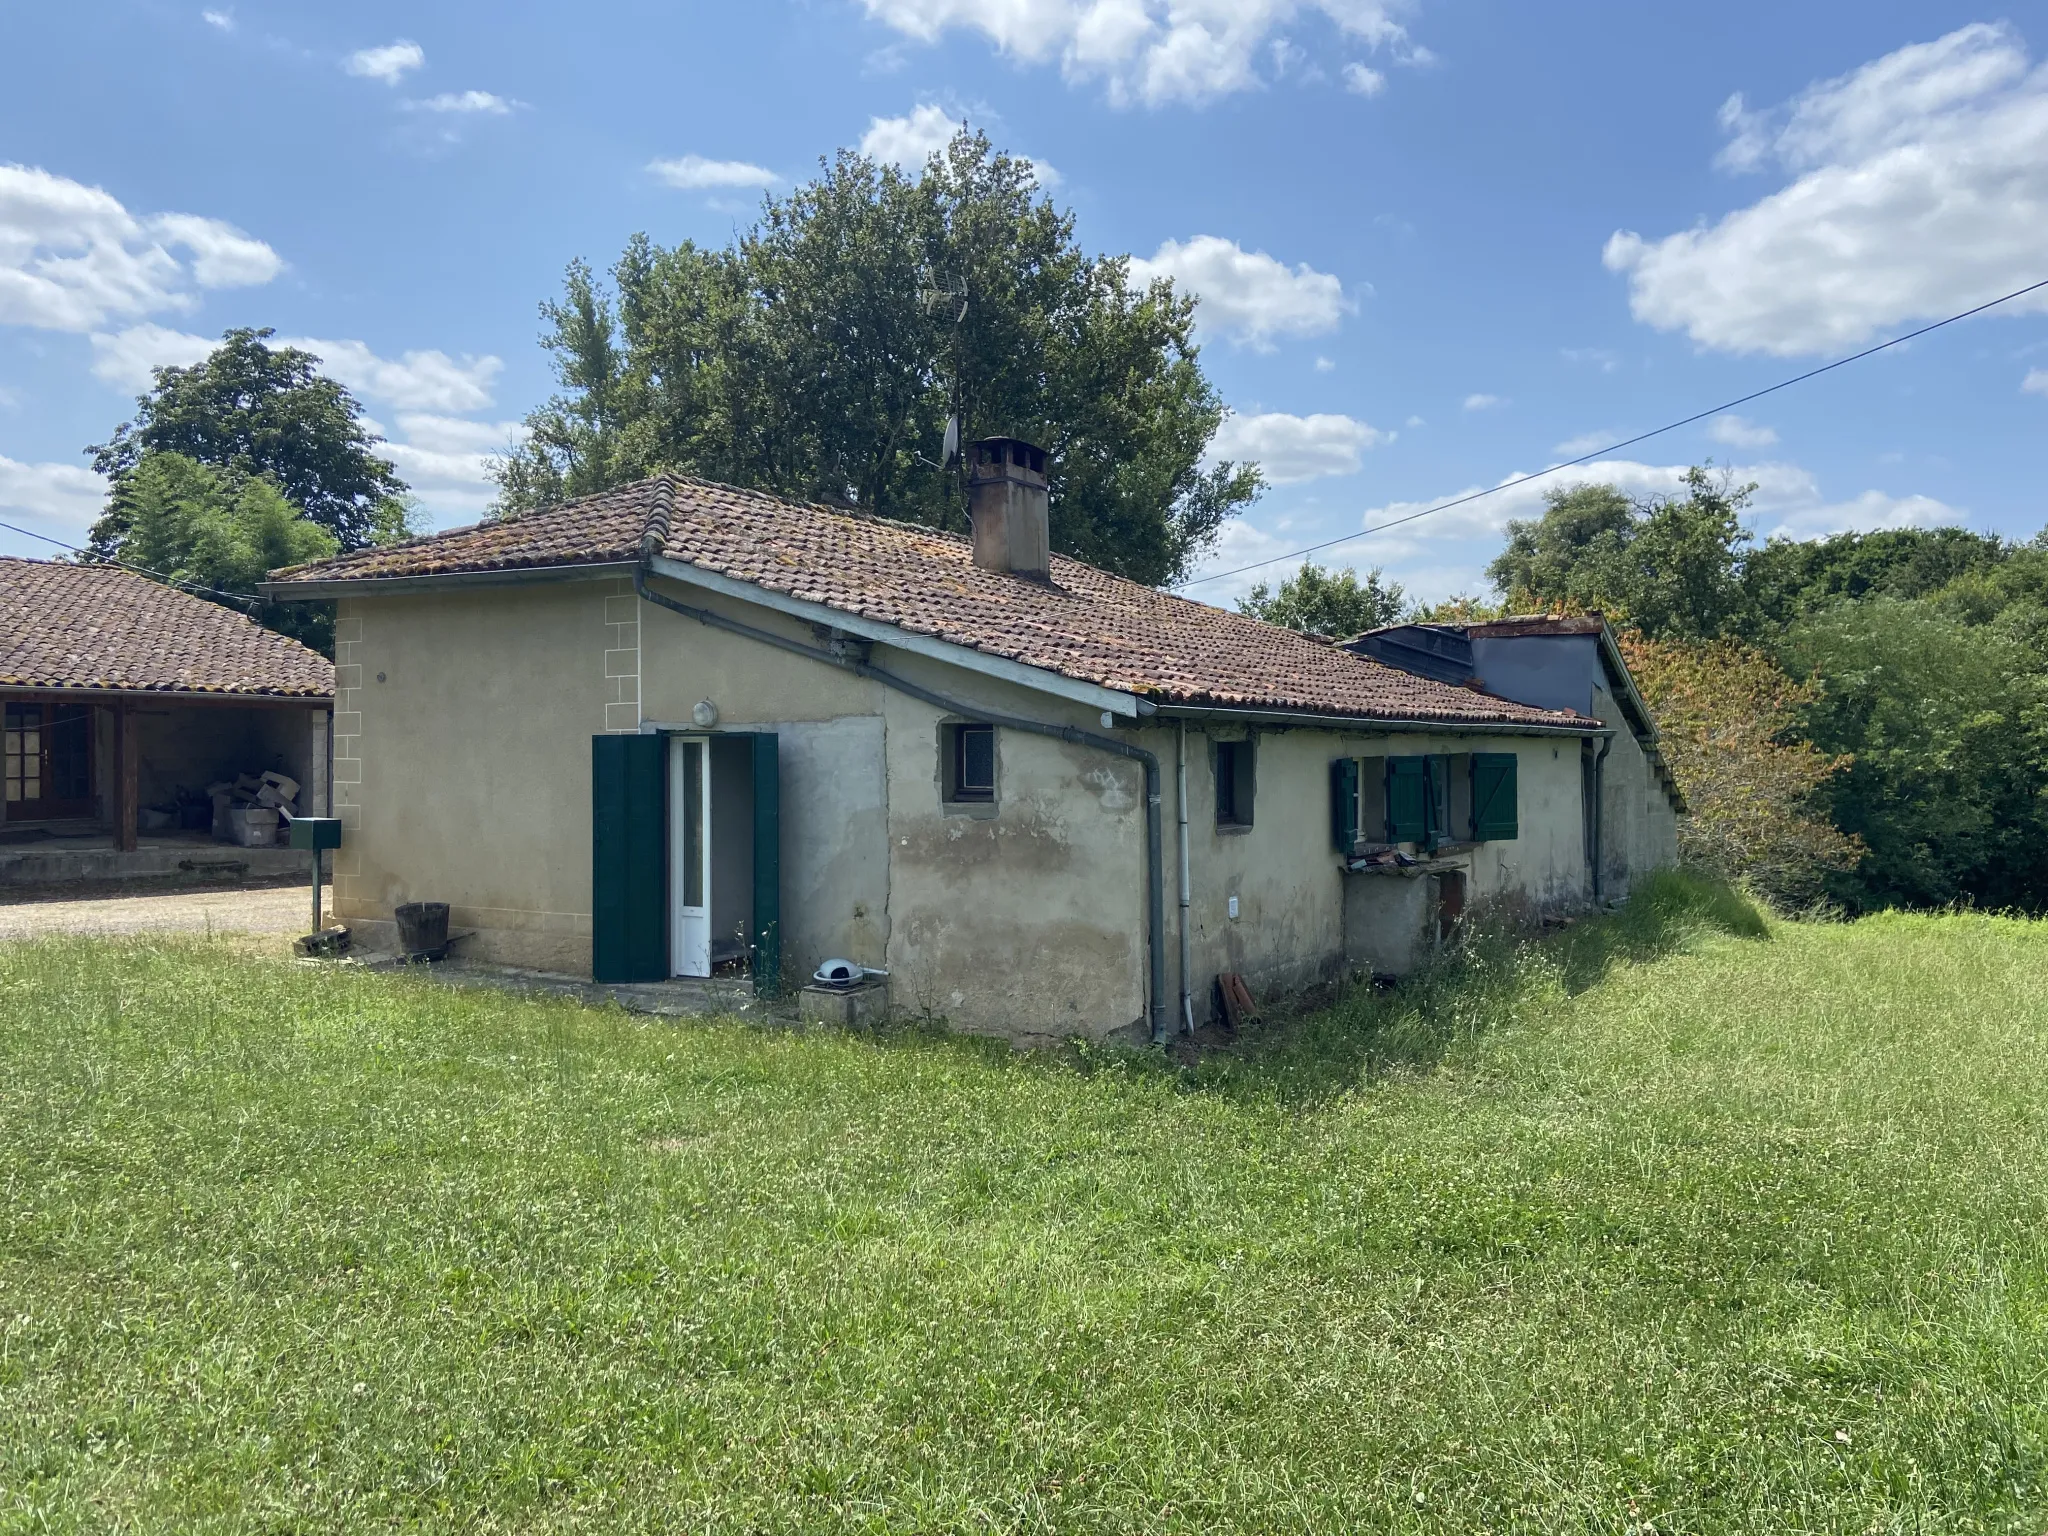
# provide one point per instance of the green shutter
(1494, 797)
(1344, 803)
(1437, 774)
(1407, 800)
(767, 865)
(629, 858)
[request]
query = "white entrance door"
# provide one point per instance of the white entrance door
(689, 857)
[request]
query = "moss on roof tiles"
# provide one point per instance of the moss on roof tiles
(1086, 624)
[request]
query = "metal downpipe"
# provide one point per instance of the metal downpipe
(1600, 816)
(1187, 951)
(1155, 838)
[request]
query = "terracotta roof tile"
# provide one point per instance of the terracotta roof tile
(1087, 624)
(97, 626)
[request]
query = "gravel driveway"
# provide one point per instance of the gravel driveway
(283, 909)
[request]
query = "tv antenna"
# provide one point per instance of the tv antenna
(937, 301)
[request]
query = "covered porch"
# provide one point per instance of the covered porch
(106, 785)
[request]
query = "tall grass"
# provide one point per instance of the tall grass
(1670, 1222)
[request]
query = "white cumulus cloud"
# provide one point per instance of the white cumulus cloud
(414, 381)
(221, 20)
(1739, 432)
(693, 173)
(2036, 381)
(423, 380)
(1918, 187)
(1290, 449)
(1483, 402)
(63, 494)
(909, 140)
(1446, 553)
(390, 63)
(1247, 295)
(1585, 442)
(1152, 51)
(446, 459)
(72, 257)
(467, 103)
(128, 358)
(1362, 81)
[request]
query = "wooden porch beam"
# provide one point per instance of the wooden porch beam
(127, 775)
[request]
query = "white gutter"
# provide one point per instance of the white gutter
(1368, 725)
(377, 586)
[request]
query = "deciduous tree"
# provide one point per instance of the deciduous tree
(220, 531)
(1334, 603)
(822, 354)
(257, 410)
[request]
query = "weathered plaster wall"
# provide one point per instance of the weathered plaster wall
(830, 744)
(463, 776)
(1639, 829)
(1290, 930)
(462, 760)
(1028, 922)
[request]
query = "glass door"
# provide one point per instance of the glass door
(689, 798)
(48, 761)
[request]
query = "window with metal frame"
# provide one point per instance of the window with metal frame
(972, 776)
(1235, 774)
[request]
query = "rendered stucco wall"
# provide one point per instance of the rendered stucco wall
(463, 775)
(1639, 829)
(462, 734)
(1290, 927)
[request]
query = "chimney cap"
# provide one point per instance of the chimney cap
(997, 453)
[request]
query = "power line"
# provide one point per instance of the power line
(1627, 442)
(139, 570)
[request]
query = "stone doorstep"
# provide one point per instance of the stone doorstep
(679, 997)
(43, 865)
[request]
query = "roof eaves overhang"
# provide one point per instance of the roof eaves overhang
(1631, 700)
(1643, 722)
(1375, 724)
(165, 695)
(1022, 674)
(439, 581)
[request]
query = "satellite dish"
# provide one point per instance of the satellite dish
(950, 451)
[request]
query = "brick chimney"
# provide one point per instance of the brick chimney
(1007, 500)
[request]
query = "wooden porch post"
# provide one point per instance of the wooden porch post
(127, 775)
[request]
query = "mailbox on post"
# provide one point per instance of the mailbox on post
(316, 834)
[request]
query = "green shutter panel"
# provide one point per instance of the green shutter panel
(1438, 802)
(1407, 800)
(1344, 803)
(1494, 811)
(629, 858)
(767, 865)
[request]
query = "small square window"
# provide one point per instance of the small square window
(971, 772)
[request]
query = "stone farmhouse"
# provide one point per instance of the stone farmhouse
(681, 729)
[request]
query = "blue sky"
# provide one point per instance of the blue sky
(1435, 241)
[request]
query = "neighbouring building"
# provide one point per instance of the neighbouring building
(123, 699)
(679, 729)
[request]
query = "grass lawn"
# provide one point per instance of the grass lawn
(1671, 1223)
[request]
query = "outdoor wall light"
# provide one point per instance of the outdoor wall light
(705, 715)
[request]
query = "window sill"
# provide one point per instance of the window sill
(1232, 829)
(973, 810)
